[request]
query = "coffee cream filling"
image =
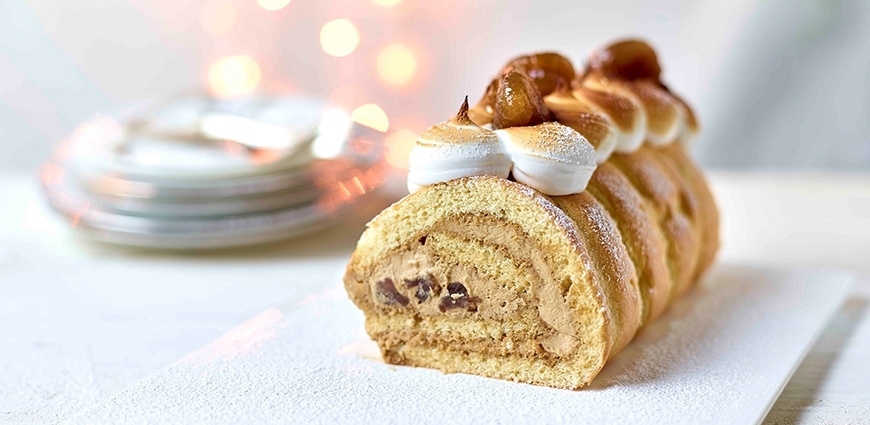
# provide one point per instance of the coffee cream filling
(444, 255)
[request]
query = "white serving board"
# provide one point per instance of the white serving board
(721, 354)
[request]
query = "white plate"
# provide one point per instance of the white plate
(721, 354)
(191, 136)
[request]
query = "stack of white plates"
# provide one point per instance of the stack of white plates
(197, 172)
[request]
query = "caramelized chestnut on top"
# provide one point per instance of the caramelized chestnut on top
(545, 69)
(627, 60)
(518, 102)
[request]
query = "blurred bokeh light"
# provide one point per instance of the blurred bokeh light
(398, 147)
(339, 37)
(372, 116)
(397, 64)
(387, 3)
(273, 5)
(234, 76)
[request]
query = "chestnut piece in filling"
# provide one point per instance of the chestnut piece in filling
(425, 286)
(457, 297)
(386, 293)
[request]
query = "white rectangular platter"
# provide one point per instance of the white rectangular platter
(721, 354)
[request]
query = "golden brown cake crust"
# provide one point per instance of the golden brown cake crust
(611, 263)
(663, 190)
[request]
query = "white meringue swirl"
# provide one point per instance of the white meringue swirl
(454, 149)
(550, 157)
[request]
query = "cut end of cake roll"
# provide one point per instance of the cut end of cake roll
(487, 276)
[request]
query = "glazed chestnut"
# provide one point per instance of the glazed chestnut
(545, 69)
(627, 60)
(518, 102)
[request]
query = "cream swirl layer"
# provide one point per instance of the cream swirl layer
(453, 149)
(553, 158)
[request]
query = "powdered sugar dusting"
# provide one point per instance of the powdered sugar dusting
(551, 140)
(608, 236)
(452, 134)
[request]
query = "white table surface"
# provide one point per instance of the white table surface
(81, 321)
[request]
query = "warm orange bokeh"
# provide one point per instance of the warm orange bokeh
(339, 37)
(234, 76)
(371, 115)
(397, 64)
(399, 145)
(218, 16)
(273, 5)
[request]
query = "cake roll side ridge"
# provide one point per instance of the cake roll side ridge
(708, 215)
(663, 191)
(640, 234)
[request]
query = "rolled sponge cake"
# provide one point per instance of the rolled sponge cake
(486, 276)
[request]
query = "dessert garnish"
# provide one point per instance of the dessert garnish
(545, 69)
(584, 117)
(691, 127)
(664, 116)
(625, 112)
(626, 60)
(518, 102)
(632, 66)
(553, 158)
(615, 105)
(453, 149)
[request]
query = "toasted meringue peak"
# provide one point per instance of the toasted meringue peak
(551, 157)
(545, 69)
(459, 130)
(518, 102)
(585, 118)
(461, 117)
(691, 127)
(453, 149)
(664, 114)
(622, 106)
(633, 64)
